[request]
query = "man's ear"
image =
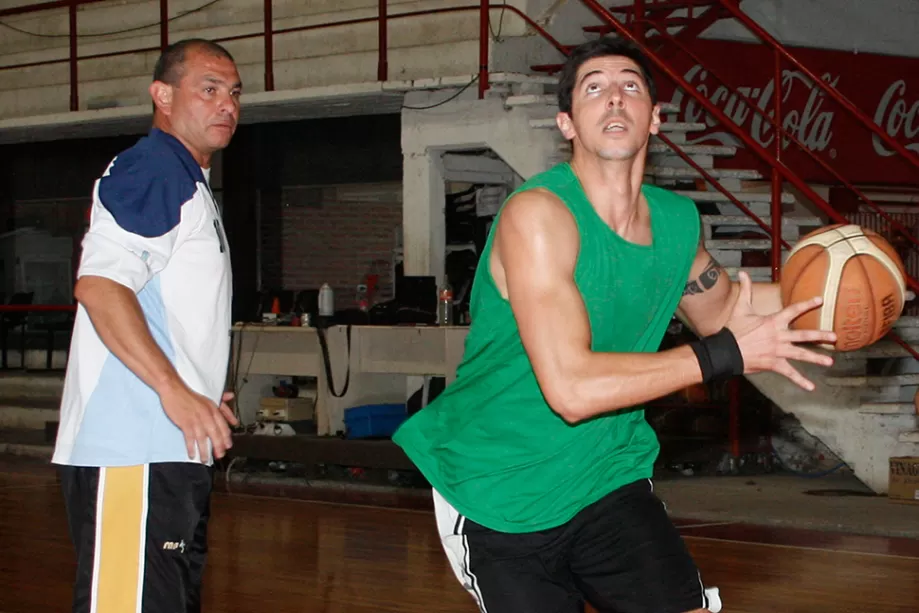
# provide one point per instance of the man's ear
(162, 96)
(656, 119)
(563, 120)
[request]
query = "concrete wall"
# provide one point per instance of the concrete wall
(430, 46)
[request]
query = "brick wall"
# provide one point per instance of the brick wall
(58, 218)
(335, 235)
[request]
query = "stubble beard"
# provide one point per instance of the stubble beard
(617, 154)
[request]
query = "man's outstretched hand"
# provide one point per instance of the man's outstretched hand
(768, 343)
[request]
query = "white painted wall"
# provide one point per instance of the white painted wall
(878, 26)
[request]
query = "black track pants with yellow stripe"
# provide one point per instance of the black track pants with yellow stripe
(140, 534)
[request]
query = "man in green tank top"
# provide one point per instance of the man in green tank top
(539, 454)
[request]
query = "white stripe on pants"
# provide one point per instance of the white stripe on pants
(450, 527)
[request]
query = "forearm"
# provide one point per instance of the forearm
(767, 300)
(120, 324)
(607, 382)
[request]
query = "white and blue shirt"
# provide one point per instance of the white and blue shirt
(156, 229)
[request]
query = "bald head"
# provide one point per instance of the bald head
(170, 65)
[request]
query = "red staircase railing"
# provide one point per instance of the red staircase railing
(780, 171)
(776, 122)
(692, 24)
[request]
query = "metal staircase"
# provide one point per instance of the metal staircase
(864, 407)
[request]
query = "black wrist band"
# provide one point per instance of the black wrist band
(719, 356)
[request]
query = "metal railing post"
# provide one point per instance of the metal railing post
(383, 44)
(483, 47)
(776, 177)
(269, 48)
(74, 88)
(164, 24)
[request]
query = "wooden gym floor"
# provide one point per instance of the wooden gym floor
(283, 555)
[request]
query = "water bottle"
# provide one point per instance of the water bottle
(326, 301)
(445, 304)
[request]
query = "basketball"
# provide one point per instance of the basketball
(858, 274)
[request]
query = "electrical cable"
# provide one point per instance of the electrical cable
(98, 34)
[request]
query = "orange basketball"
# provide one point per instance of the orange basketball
(859, 275)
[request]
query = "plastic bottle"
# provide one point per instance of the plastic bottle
(445, 304)
(326, 301)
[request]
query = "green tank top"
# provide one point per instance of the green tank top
(490, 444)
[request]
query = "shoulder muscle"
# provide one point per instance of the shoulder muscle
(536, 238)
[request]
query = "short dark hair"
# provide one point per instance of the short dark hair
(601, 47)
(169, 65)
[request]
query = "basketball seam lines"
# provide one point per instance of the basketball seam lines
(838, 246)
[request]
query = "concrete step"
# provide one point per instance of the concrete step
(531, 100)
(551, 100)
(713, 150)
(877, 381)
(737, 244)
(745, 197)
(662, 149)
(887, 408)
(743, 220)
(758, 274)
(670, 172)
(25, 443)
(29, 416)
(667, 126)
(909, 437)
(25, 385)
(519, 77)
(544, 123)
(882, 349)
(909, 334)
(681, 126)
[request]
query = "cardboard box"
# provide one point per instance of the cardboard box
(904, 479)
(287, 409)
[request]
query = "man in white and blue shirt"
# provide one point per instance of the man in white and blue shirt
(144, 409)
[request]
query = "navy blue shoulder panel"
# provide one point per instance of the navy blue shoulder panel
(147, 185)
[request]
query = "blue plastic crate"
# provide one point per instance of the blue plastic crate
(374, 420)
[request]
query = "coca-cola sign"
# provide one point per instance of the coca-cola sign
(898, 116)
(884, 88)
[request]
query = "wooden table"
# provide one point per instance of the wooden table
(382, 359)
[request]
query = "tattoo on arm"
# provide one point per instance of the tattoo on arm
(706, 280)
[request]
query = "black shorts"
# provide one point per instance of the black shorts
(621, 554)
(140, 534)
